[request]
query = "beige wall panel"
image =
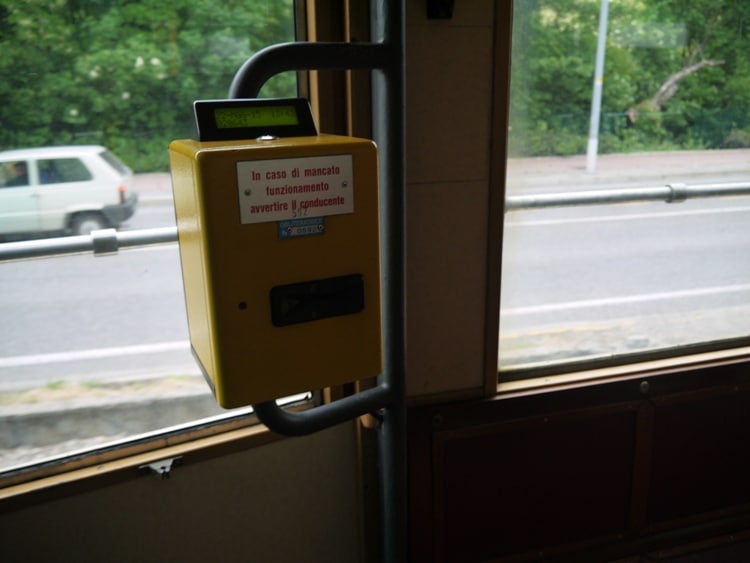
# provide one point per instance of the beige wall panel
(449, 94)
(448, 100)
(290, 501)
(445, 287)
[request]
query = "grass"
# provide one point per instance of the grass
(56, 391)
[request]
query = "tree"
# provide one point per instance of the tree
(676, 75)
(124, 73)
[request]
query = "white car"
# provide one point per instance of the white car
(72, 190)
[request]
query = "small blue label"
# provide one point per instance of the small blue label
(302, 227)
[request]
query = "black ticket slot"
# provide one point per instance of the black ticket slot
(315, 300)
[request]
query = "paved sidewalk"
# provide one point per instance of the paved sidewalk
(153, 188)
(657, 167)
(553, 172)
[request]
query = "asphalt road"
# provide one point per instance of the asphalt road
(607, 280)
(87, 318)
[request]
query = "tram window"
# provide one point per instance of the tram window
(596, 267)
(94, 350)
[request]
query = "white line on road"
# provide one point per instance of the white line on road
(643, 298)
(153, 248)
(630, 217)
(93, 354)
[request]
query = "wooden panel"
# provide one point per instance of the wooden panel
(701, 457)
(654, 466)
(728, 548)
(515, 486)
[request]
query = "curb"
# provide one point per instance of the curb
(148, 200)
(46, 426)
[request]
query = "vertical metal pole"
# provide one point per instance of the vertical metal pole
(596, 98)
(389, 100)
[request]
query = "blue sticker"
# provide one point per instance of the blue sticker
(302, 227)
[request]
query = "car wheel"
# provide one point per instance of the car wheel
(84, 223)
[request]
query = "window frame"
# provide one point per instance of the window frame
(559, 375)
(198, 439)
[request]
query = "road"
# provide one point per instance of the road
(90, 318)
(605, 280)
(577, 282)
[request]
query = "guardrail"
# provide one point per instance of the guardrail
(671, 193)
(108, 241)
(104, 241)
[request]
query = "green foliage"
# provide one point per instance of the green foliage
(124, 73)
(554, 48)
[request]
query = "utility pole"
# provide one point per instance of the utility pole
(596, 98)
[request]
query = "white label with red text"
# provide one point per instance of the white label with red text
(295, 188)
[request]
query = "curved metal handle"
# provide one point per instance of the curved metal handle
(324, 416)
(284, 57)
(389, 95)
(247, 82)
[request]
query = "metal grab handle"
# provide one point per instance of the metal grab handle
(671, 193)
(385, 54)
(324, 416)
(284, 57)
(247, 83)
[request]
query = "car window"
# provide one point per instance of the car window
(61, 170)
(114, 162)
(15, 173)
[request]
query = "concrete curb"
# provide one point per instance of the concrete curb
(657, 167)
(45, 425)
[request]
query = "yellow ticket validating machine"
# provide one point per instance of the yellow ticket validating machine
(279, 242)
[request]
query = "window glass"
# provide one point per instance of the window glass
(114, 162)
(14, 173)
(627, 215)
(95, 350)
(61, 170)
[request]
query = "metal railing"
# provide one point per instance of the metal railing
(104, 241)
(671, 193)
(108, 241)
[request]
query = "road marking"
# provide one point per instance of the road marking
(152, 248)
(630, 217)
(642, 298)
(93, 354)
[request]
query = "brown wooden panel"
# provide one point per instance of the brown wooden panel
(600, 472)
(550, 480)
(701, 458)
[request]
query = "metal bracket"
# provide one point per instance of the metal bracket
(104, 241)
(439, 9)
(678, 193)
(162, 468)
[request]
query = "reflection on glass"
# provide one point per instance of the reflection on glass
(95, 349)
(594, 281)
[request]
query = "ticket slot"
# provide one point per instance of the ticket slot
(318, 299)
